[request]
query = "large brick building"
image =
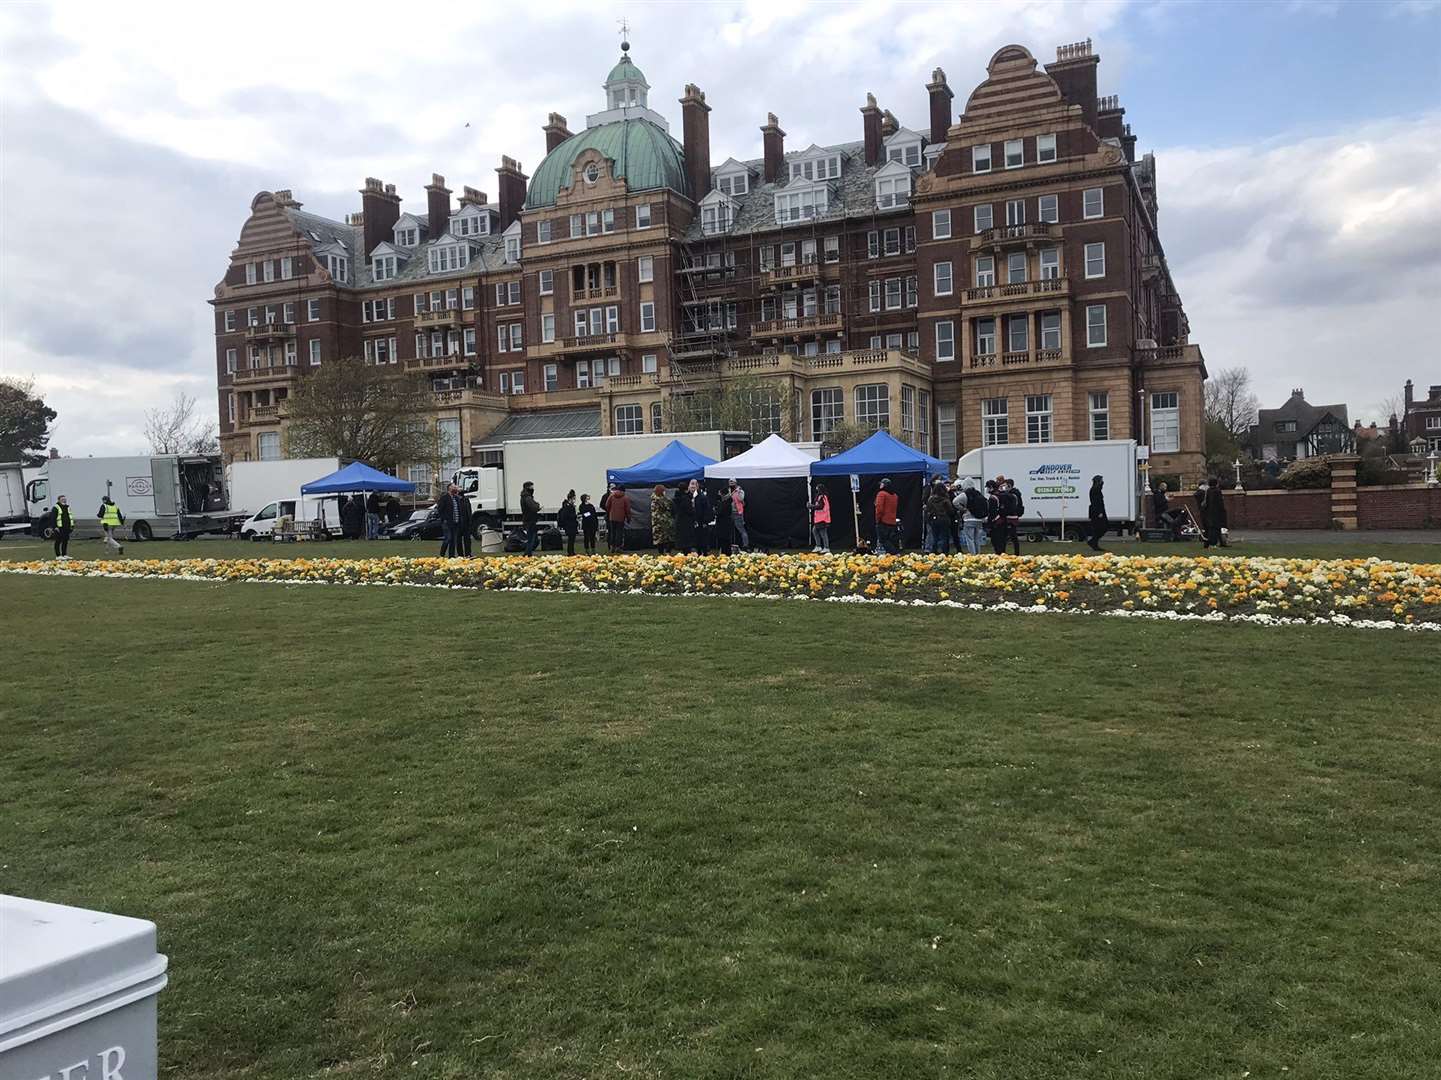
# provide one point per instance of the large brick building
(992, 277)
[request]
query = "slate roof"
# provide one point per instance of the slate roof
(853, 195)
(1307, 416)
(490, 254)
(549, 424)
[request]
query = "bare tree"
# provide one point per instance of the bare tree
(177, 430)
(366, 413)
(760, 406)
(1230, 401)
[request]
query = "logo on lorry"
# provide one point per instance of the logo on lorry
(138, 486)
(1054, 480)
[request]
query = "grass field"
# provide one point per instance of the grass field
(457, 834)
(1328, 547)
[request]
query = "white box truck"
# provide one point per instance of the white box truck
(175, 495)
(14, 513)
(266, 491)
(1055, 479)
(556, 466)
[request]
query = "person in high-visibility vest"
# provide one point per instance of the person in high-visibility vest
(110, 519)
(63, 521)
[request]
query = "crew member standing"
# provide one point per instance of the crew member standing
(530, 516)
(888, 535)
(1099, 522)
(1213, 513)
(62, 524)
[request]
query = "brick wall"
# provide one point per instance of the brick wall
(1401, 506)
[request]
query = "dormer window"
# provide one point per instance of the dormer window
(339, 267)
(407, 238)
(819, 168)
(801, 205)
(473, 225)
(383, 267)
(738, 184)
(446, 257)
(512, 242)
(716, 218)
(909, 155)
(893, 191)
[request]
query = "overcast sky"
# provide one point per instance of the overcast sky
(1297, 146)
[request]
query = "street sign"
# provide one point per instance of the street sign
(855, 482)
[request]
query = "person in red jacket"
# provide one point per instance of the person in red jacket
(888, 535)
(617, 512)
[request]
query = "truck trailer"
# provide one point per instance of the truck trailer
(1055, 480)
(555, 466)
(167, 495)
(266, 491)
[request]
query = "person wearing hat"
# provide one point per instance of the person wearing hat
(61, 524)
(888, 534)
(1009, 508)
(1099, 523)
(111, 518)
(617, 515)
(530, 516)
(734, 500)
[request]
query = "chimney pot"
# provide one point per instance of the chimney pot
(555, 131)
(512, 190)
(871, 126)
(437, 206)
(774, 141)
(940, 94)
(380, 210)
(695, 124)
(1074, 73)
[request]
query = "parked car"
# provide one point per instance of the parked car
(421, 525)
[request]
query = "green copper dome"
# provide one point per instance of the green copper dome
(625, 71)
(640, 152)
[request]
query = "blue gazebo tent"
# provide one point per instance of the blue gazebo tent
(880, 455)
(674, 463)
(357, 476)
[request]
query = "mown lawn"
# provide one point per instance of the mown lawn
(454, 834)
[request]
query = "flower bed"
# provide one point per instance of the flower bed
(1369, 592)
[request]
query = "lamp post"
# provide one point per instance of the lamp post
(1146, 464)
(1237, 464)
(1433, 480)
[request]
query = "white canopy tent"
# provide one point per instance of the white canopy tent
(773, 458)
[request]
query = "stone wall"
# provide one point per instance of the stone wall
(1397, 506)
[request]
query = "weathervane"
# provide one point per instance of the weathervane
(624, 34)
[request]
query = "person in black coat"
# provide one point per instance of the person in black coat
(1099, 522)
(1213, 513)
(701, 514)
(62, 522)
(683, 514)
(453, 509)
(589, 523)
(568, 521)
(352, 518)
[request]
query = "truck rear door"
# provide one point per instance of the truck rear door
(163, 480)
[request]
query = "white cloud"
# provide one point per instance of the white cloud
(1312, 262)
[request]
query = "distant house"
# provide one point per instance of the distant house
(1422, 420)
(1299, 429)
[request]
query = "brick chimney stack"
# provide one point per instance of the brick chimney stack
(1410, 395)
(695, 124)
(940, 105)
(1075, 73)
(512, 191)
(555, 131)
(871, 122)
(380, 210)
(774, 141)
(889, 124)
(437, 205)
(469, 196)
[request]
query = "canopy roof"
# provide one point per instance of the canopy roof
(774, 457)
(357, 476)
(673, 463)
(881, 455)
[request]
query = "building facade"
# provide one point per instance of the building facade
(992, 277)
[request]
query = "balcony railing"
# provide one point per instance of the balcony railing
(1018, 290)
(580, 343)
(607, 292)
(1010, 234)
(447, 317)
(1150, 266)
(781, 363)
(448, 362)
(787, 275)
(805, 324)
(1019, 358)
(469, 395)
(278, 373)
(633, 382)
(269, 331)
(1170, 354)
